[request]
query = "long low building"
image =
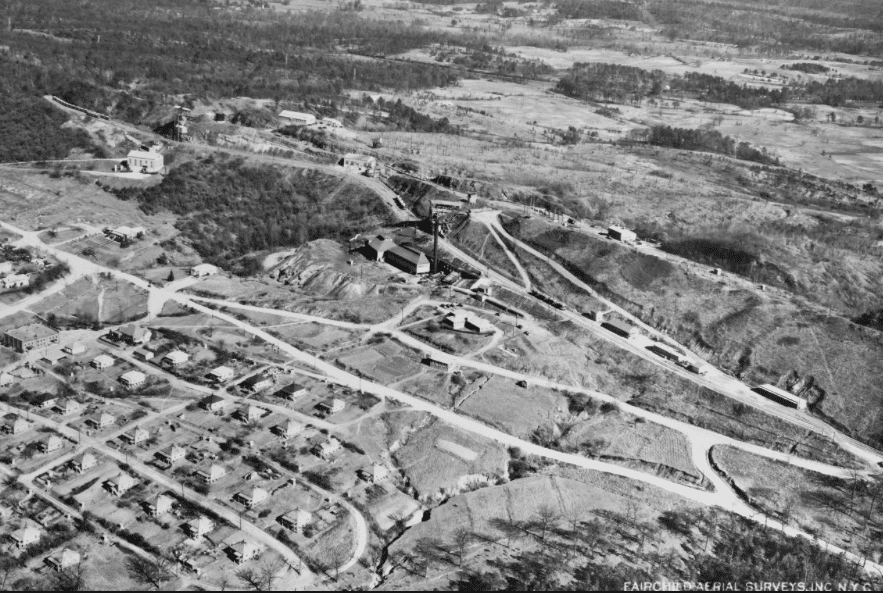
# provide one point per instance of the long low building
(780, 396)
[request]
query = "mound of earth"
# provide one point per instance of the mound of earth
(324, 268)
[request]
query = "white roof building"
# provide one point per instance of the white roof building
(133, 379)
(203, 270)
(145, 161)
(221, 374)
(176, 357)
(102, 361)
(297, 118)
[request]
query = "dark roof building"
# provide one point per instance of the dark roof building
(408, 259)
(620, 328)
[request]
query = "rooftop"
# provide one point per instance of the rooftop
(409, 254)
(34, 331)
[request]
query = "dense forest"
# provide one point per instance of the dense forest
(612, 82)
(189, 48)
(775, 25)
(496, 60)
(231, 211)
(31, 131)
(707, 141)
(599, 9)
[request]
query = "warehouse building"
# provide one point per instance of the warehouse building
(408, 259)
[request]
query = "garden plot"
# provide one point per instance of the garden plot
(438, 459)
(385, 361)
(96, 300)
(513, 409)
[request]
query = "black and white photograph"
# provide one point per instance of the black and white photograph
(441, 295)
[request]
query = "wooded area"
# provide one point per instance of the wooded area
(232, 211)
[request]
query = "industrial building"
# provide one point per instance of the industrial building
(408, 259)
(780, 396)
(621, 234)
(28, 337)
(144, 161)
(377, 247)
(296, 118)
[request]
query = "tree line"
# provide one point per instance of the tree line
(707, 141)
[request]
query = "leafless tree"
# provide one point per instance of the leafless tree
(544, 519)
(462, 538)
(263, 576)
(149, 571)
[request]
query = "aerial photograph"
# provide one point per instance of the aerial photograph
(441, 295)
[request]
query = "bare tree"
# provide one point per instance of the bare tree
(337, 556)
(149, 571)
(8, 566)
(462, 538)
(544, 519)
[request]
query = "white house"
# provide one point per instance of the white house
(62, 560)
(52, 443)
(15, 280)
(83, 463)
(211, 475)
(25, 537)
(133, 379)
(203, 270)
(221, 374)
(120, 484)
(102, 361)
(296, 520)
(199, 527)
(170, 454)
(133, 437)
(101, 421)
(176, 358)
(143, 161)
(251, 498)
(160, 505)
(75, 348)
